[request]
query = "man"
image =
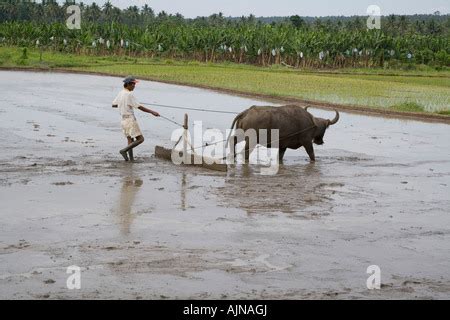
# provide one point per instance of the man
(126, 103)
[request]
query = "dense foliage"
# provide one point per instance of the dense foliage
(295, 41)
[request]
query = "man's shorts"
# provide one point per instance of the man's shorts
(130, 127)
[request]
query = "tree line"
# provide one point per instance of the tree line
(295, 41)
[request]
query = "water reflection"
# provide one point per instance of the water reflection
(183, 192)
(297, 188)
(130, 187)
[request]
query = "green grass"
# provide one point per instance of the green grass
(407, 107)
(420, 90)
(444, 112)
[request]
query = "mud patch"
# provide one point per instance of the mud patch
(67, 183)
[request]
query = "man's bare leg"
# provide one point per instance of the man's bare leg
(124, 153)
(131, 145)
(130, 152)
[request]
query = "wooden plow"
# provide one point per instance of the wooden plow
(188, 158)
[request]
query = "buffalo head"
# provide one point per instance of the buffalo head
(321, 127)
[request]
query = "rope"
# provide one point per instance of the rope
(178, 124)
(186, 108)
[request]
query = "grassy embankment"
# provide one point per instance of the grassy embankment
(424, 90)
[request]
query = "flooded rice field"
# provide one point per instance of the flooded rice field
(377, 195)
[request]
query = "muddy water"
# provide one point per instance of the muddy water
(378, 195)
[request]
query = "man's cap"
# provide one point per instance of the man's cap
(130, 79)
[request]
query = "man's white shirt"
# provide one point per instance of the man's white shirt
(126, 102)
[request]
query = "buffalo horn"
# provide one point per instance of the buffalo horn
(336, 119)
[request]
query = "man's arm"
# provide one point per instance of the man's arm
(156, 114)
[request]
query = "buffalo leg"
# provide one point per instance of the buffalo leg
(234, 143)
(247, 150)
(281, 154)
(310, 150)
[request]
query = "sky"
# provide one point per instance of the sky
(267, 8)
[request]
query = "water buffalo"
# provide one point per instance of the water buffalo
(297, 128)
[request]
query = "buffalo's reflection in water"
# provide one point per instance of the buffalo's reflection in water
(131, 184)
(301, 190)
